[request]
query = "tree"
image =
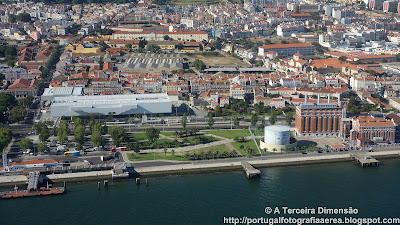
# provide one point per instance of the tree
(97, 138)
(118, 134)
(42, 147)
(153, 48)
(217, 111)
(17, 114)
(25, 143)
(263, 122)
(199, 65)
(142, 43)
(184, 121)
(166, 37)
(289, 118)
(342, 59)
(6, 101)
(272, 119)
(12, 18)
(128, 45)
(358, 45)
(236, 121)
(44, 134)
(5, 137)
(210, 121)
(63, 132)
(179, 46)
(79, 134)
(217, 44)
(26, 102)
(77, 121)
(152, 134)
(11, 63)
(254, 120)
(165, 151)
(24, 17)
(172, 153)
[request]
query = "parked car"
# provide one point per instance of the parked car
(26, 152)
(98, 148)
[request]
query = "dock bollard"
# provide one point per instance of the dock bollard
(137, 180)
(105, 183)
(65, 186)
(147, 182)
(98, 185)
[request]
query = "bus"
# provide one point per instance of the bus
(115, 149)
(72, 153)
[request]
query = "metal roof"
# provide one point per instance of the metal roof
(60, 91)
(105, 100)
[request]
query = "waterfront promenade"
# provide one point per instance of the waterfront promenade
(209, 165)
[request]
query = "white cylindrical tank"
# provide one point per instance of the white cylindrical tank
(277, 135)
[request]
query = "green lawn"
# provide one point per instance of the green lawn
(139, 136)
(178, 156)
(155, 156)
(168, 134)
(230, 134)
(249, 143)
(171, 143)
(220, 148)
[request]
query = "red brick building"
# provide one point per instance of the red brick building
(377, 130)
(319, 119)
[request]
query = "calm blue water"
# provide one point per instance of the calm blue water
(206, 199)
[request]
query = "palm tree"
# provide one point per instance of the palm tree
(274, 150)
(172, 153)
(165, 151)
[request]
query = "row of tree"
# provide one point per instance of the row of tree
(51, 62)
(22, 17)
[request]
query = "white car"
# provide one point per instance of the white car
(27, 151)
(97, 149)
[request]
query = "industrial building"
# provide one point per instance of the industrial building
(319, 119)
(50, 93)
(277, 138)
(286, 50)
(114, 104)
(368, 129)
(154, 63)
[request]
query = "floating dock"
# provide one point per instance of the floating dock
(33, 189)
(250, 170)
(364, 159)
(25, 193)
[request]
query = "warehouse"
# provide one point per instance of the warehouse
(50, 93)
(114, 104)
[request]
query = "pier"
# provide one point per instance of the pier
(250, 170)
(33, 188)
(364, 159)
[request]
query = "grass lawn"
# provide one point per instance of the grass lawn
(156, 156)
(170, 143)
(249, 143)
(258, 132)
(139, 136)
(178, 156)
(168, 134)
(220, 148)
(229, 133)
